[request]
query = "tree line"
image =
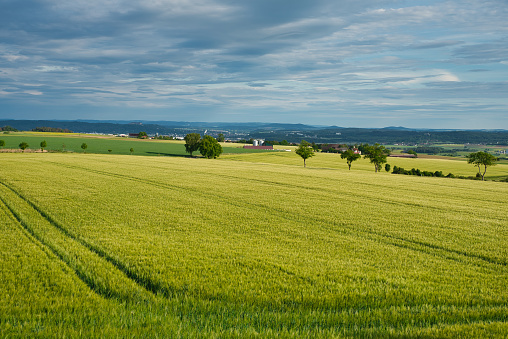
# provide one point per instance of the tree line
(378, 154)
(51, 129)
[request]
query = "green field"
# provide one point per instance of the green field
(71, 143)
(248, 245)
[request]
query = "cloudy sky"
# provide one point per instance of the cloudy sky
(351, 63)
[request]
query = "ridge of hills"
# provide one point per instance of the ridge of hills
(273, 131)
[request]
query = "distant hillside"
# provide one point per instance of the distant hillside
(274, 131)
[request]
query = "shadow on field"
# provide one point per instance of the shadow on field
(170, 154)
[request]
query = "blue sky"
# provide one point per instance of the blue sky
(350, 63)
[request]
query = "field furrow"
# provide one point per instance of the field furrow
(87, 263)
(327, 220)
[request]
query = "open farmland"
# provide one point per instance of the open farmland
(100, 144)
(114, 245)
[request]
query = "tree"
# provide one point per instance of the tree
(480, 159)
(192, 141)
(209, 147)
(387, 167)
(413, 152)
(220, 137)
(377, 155)
(2, 143)
(43, 145)
(23, 146)
(84, 147)
(350, 156)
(142, 135)
(8, 129)
(132, 150)
(305, 150)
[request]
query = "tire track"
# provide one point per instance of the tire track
(323, 222)
(318, 190)
(115, 274)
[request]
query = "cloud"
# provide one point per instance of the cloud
(322, 58)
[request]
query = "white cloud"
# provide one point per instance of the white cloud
(14, 57)
(55, 69)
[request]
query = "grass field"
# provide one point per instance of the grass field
(248, 245)
(102, 144)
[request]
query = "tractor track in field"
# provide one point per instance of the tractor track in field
(338, 227)
(318, 190)
(146, 284)
(48, 247)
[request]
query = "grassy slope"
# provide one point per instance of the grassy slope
(261, 246)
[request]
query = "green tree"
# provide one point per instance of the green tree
(142, 135)
(23, 146)
(8, 129)
(413, 152)
(132, 150)
(209, 147)
(387, 167)
(2, 143)
(377, 155)
(84, 147)
(220, 137)
(192, 142)
(350, 156)
(305, 150)
(43, 145)
(480, 159)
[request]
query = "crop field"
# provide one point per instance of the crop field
(103, 144)
(333, 161)
(248, 245)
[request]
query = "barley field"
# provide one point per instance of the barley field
(248, 245)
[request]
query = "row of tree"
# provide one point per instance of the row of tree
(8, 128)
(51, 129)
(23, 145)
(208, 146)
(378, 154)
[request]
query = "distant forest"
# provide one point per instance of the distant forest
(288, 132)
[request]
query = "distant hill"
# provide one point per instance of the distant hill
(274, 131)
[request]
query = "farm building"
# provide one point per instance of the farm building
(258, 144)
(338, 148)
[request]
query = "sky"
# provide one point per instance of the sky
(349, 63)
